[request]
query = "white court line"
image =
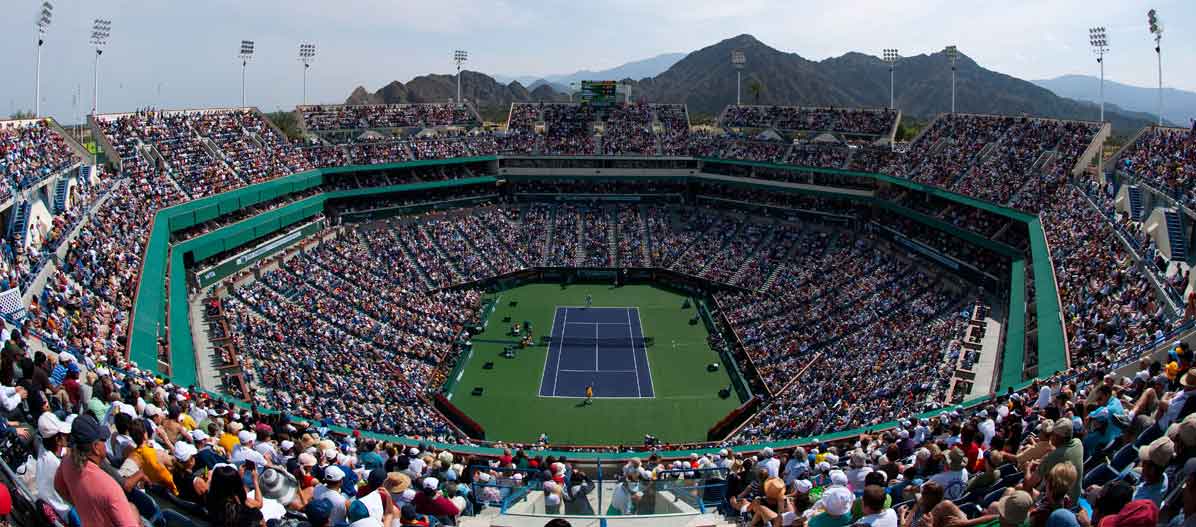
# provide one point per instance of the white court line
(634, 360)
(596, 368)
(597, 371)
(561, 347)
(597, 323)
(547, 353)
(647, 362)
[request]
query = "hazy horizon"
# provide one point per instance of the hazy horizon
(172, 55)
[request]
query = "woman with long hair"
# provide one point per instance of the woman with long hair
(227, 502)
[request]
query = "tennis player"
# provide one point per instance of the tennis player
(589, 299)
(589, 394)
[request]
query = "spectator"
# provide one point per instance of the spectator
(96, 497)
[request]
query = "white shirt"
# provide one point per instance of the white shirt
(9, 397)
(954, 482)
(242, 454)
(339, 510)
(885, 518)
(47, 466)
(1173, 409)
(773, 465)
(989, 429)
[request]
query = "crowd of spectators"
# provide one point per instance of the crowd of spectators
(1165, 159)
(809, 119)
(384, 116)
(30, 151)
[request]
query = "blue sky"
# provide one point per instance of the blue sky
(182, 54)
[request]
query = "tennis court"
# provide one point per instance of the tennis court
(603, 347)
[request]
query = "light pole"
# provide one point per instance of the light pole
(459, 56)
(891, 57)
(1100, 45)
(245, 55)
(952, 55)
(1156, 29)
(43, 24)
(738, 59)
(307, 55)
(101, 29)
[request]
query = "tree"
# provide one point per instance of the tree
(755, 87)
(287, 122)
(22, 114)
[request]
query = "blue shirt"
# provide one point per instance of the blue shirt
(1146, 491)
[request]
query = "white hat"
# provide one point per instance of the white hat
(66, 357)
(903, 434)
(767, 451)
(407, 495)
(48, 425)
(838, 477)
(152, 411)
(413, 451)
(431, 483)
(183, 451)
(484, 477)
(245, 436)
(102, 371)
(802, 486)
(199, 435)
(333, 473)
(838, 500)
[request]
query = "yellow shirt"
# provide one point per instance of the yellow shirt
(227, 442)
(187, 421)
(147, 458)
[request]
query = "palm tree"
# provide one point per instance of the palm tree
(755, 87)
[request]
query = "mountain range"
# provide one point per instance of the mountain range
(705, 81)
(1179, 106)
(639, 69)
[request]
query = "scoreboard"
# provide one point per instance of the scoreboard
(598, 93)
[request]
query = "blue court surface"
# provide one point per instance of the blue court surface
(601, 347)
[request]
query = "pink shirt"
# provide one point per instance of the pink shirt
(97, 497)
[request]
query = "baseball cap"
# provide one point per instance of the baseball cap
(802, 486)
(86, 430)
(1160, 451)
(199, 435)
(246, 436)
(838, 477)
(333, 473)
(1063, 427)
(431, 483)
(318, 511)
(183, 451)
(1014, 508)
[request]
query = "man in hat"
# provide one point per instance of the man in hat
(836, 502)
(1175, 406)
(1155, 457)
(97, 498)
(431, 502)
(330, 490)
(54, 433)
(1066, 449)
(1012, 510)
(954, 476)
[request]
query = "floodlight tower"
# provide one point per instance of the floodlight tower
(245, 54)
(1156, 29)
(43, 25)
(101, 29)
(952, 56)
(307, 55)
(738, 59)
(1100, 45)
(891, 57)
(459, 56)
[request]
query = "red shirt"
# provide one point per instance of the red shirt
(439, 506)
(97, 497)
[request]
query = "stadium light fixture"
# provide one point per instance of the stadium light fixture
(891, 57)
(459, 56)
(101, 29)
(245, 54)
(739, 60)
(307, 55)
(1156, 28)
(952, 56)
(43, 25)
(1099, 40)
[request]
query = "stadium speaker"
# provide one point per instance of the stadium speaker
(477, 391)
(712, 367)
